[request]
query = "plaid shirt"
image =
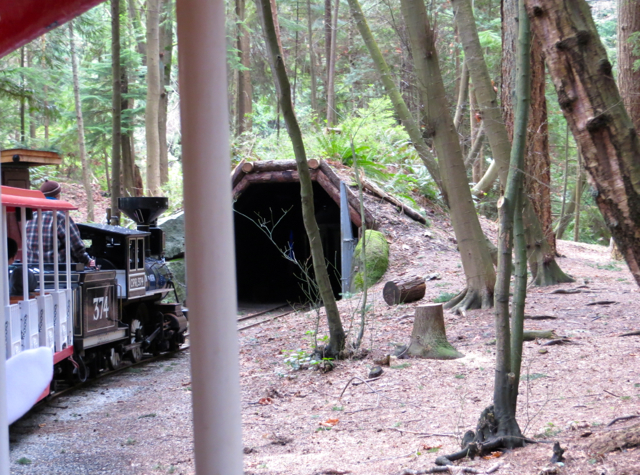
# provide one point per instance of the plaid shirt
(78, 252)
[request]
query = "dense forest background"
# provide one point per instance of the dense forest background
(337, 94)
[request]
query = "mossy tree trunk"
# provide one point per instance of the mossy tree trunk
(336, 332)
(591, 102)
(474, 252)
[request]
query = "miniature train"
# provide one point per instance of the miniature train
(91, 318)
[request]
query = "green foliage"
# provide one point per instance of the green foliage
(377, 259)
(444, 297)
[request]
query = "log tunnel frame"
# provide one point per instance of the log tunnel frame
(268, 193)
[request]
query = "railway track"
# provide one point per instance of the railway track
(122, 368)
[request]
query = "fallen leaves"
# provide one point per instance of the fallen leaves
(265, 401)
(329, 422)
(492, 455)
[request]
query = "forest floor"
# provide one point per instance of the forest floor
(296, 422)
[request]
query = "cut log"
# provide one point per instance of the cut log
(413, 214)
(428, 338)
(403, 291)
(237, 174)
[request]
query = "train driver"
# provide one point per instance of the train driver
(15, 272)
(51, 190)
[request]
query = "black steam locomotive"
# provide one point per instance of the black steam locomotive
(119, 309)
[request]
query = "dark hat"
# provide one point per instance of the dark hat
(50, 188)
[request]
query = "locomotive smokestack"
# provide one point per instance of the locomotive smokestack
(145, 211)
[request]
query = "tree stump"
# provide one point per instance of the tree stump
(404, 291)
(428, 338)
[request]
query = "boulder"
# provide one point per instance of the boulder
(179, 272)
(376, 257)
(173, 227)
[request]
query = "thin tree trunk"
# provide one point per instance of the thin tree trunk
(462, 95)
(399, 105)
(544, 267)
(327, 39)
(135, 25)
(589, 98)
(331, 93)
(153, 98)
(509, 337)
(244, 89)
(566, 178)
(127, 152)
(116, 106)
(312, 61)
(166, 55)
(32, 114)
(336, 332)
(86, 176)
(576, 223)
(571, 207)
(439, 127)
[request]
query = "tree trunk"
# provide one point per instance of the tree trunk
(312, 61)
(571, 207)
(137, 33)
(327, 39)
(125, 139)
(153, 98)
(116, 106)
(244, 92)
(538, 161)
(439, 127)
(336, 332)
(399, 105)
(544, 267)
(23, 87)
(331, 72)
(165, 57)
(429, 337)
(589, 98)
(628, 55)
(404, 290)
(86, 177)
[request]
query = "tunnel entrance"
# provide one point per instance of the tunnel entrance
(263, 273)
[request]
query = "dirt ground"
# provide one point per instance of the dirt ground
(304, 422)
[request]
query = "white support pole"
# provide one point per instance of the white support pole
(67, 248)
(4, 421)
(209, 237)
(56, 274)
(40, 252)
(4, 268)
(25, 260)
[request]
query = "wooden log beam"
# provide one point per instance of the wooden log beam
(404, 290)
(413, 214)
(334, 193)
(351, 197)
(276, 166)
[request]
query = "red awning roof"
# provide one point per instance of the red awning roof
(18, 197)
(24, 20)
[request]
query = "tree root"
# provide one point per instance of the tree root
(546, 271)
(487, 438)
(452, 469)
(470, 299)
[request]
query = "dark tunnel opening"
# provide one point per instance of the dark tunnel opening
(263, 274)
